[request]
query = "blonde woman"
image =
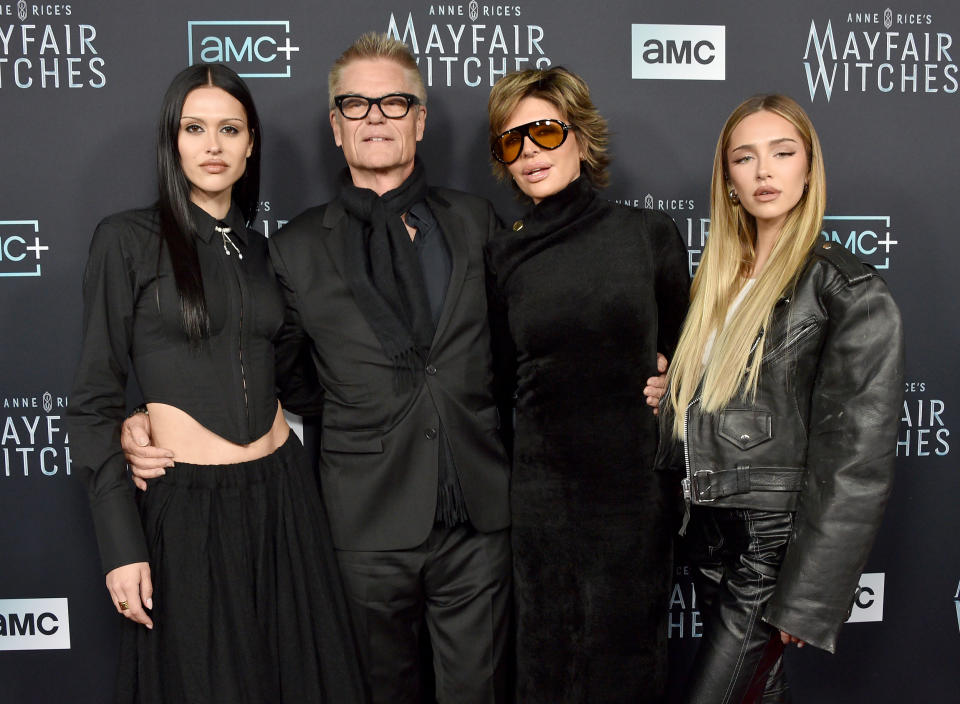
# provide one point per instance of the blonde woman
(783, 399)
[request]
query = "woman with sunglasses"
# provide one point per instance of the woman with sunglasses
(784, 403)
(224, 568)
(591, 292)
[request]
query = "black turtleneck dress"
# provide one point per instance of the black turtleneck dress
(591, 292)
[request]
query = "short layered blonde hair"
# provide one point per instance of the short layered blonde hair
(571, 96)
(376, 45)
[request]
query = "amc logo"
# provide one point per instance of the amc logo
(34, 624)
(252, 49)
(679, 52)
(867, 236)
(868, 602)
(20, 248)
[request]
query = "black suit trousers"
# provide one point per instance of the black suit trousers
(458, 582)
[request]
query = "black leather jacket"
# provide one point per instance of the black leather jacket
(819, 439)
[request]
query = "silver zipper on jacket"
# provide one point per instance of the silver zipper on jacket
(687, 481)
(225, 231)
(243, 372)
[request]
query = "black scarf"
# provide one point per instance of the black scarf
(384, 274)
(542, 226)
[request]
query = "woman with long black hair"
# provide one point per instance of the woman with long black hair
(224, 568)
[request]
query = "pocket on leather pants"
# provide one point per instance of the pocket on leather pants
(706, 538)
(767, 535)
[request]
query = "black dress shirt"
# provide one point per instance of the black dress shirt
(132, 311)
(433, 256)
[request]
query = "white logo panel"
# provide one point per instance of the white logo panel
(679, 52)
(868, 603)
(34, 624)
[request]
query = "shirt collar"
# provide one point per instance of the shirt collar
(420, 217)
(205, 223)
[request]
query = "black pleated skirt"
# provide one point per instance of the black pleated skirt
(248, 604)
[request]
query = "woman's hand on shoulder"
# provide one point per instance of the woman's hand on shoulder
(131, 589)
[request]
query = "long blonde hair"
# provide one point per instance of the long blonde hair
(727, 262)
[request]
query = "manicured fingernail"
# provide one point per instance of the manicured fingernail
(142, 443)
(149, 603)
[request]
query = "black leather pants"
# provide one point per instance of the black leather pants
(736, 556)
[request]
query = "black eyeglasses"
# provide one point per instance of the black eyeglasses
(393, 105)
(546, 134)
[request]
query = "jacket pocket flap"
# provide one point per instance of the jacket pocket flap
(746, 428)
(362, 441)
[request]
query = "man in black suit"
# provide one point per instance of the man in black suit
(385, 291)
(386, 286)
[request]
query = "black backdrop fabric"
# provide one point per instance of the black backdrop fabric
(80, 87)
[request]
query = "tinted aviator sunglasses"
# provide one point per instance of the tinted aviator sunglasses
(546, 134)
(392, 105)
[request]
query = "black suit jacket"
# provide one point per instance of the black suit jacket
(379, 449)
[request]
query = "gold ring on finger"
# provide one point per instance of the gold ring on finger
(123, 605)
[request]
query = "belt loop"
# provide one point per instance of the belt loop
(743, 478)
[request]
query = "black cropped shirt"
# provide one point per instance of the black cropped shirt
(132, 312)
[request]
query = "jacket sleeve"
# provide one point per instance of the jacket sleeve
(854, 416)
(298, 386)
(98, 404)
(672, 289)
(672, 284)
(501, 343)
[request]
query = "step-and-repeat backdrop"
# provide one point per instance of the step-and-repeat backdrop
(80, 86)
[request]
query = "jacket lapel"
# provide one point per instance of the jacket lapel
(455, 236)
(335, 219)
(336, 225)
